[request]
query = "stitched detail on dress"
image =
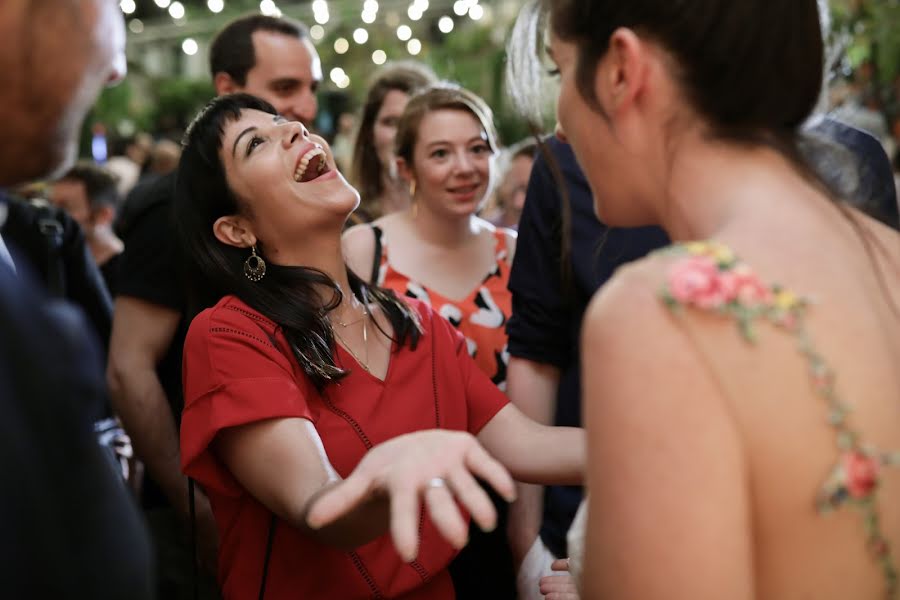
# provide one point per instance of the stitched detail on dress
(437, 405)
(249, 314)
(359, 431)
(361, 567)
(422, 572)
(243, 333)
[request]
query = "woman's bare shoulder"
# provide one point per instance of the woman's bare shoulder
(632, 293)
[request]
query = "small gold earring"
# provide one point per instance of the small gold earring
(412, 188)
(254, 266)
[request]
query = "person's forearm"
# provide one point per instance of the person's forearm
(532, 388)
(550, 456)
(140, 402)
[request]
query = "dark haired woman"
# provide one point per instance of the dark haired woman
(726, 411)
(300, 375)
(374, 164)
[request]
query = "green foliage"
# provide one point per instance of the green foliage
(870, 32)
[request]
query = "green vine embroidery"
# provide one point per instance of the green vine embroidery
(709, 276)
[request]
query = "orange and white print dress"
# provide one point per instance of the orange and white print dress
(481, 316)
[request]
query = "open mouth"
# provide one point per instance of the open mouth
(311, 166)
(464, 189)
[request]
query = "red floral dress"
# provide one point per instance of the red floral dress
(481, 316)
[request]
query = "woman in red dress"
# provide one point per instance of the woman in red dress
(298, 374)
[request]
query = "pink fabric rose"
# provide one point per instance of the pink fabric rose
(862, 474)
(696, 280)
(743, 285)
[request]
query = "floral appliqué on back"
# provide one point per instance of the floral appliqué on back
(708, 276)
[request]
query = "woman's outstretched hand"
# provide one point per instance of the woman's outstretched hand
(436, 465)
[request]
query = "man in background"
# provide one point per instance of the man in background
(89, 194)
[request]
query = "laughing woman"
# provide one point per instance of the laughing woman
(297, 373)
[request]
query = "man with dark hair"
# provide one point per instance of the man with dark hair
(274, 59)
(69, 527)
(89, 194)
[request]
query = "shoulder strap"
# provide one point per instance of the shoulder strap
(52, 231)
(376, 259)
(501, 250)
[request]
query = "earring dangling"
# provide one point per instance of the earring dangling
(414, 206)
(254, 266)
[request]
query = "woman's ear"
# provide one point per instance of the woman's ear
(404, 171)
(234, 230)
(621, 75)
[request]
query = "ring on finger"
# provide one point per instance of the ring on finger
(436, 482)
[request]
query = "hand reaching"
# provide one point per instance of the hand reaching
(559, 587)
(436, 465)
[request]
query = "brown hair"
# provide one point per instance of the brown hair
(441, 96)
(405, 76)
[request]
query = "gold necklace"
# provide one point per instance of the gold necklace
(365, 314)
(363, 363)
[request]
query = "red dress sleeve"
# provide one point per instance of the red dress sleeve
(236, 371)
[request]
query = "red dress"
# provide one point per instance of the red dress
(238, 369)
(481, 316)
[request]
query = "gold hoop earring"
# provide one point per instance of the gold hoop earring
(254, 266)
(412, 189)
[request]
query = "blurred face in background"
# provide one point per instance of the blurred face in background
(71, 196)
(514, 186)
(74, 48)
(385, 129)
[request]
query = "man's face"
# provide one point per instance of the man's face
(71, 196)
(287, 74)
(55, 57)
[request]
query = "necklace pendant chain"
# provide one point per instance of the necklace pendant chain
(365, 331)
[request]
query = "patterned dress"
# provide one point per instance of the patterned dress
(480, 316)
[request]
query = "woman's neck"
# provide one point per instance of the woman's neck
(322, 253)
(440, 229)
(710, 185)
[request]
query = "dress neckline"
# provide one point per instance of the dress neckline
(499, 258)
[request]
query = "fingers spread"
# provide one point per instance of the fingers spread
(405, 520)
(474, 498)
(489, 469)
(446, 516)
